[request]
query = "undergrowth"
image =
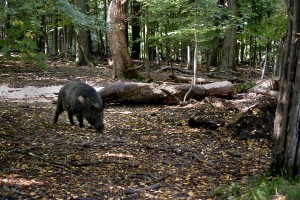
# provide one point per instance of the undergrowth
(244, 86)
(261, 188)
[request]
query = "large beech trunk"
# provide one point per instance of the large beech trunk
(286, 140)
(117, 40)
(151, 93)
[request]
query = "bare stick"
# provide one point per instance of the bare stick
(129, 191)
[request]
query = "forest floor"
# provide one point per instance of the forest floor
(145, 151)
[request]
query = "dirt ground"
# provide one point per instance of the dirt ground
(145, 151)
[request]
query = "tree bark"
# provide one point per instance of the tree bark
(286, 141)
(146, 45)
(55, 36)
(230, 44)
(82, 44)
(136, 29)
(117, 40)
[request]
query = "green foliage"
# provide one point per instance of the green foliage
(22, 29)
(262, 20)
(261, 188)
(243, 86)
(172, 23)
(24, 26)
(76, 17)
(176, 22)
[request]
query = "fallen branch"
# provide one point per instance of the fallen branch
(98, 162)
(129, 191)
(183, 79)
(195, 156)
(45, 161)
(215, 134)
(175, 68)
(87, 144)
(146, 175)
(234, 154)
(271, 93)
(180, 152)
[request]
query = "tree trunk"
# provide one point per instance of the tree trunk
(286, 141)
(117, 40)
(42, 38)
(69, 31)
(105, 33)
(279, 59)
(265, 63)
(146, 46)
(230, 43)
(188, 63)
(55, 36)
(82, 44)
(242, 51)
(136, 44)
(195, 60)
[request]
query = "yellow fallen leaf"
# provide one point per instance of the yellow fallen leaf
(190, 193)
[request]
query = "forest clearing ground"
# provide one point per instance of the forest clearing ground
(141, 146)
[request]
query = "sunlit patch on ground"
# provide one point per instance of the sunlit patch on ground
(15, 179)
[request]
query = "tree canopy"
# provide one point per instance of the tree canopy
(31, 27)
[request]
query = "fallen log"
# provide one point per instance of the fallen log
(152, 93)
(219, 89)
(265, 84)
(134, 93)
(266, 87)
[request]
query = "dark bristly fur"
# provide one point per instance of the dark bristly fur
(83, 101)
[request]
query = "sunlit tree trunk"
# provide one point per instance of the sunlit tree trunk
(147, 64)
(43, 37)
(55, 36)
(195, 59)
(279, 59)
(286, 140)
(117, 40)
(188, 63)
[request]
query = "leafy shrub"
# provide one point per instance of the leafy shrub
(261, 188)
(241, 87)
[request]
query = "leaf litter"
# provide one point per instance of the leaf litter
(145, 151)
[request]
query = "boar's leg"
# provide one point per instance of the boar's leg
(70, 115)
(59, 109)
(80, 120)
